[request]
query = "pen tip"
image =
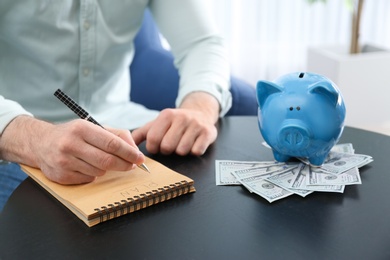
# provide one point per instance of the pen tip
(144, 167)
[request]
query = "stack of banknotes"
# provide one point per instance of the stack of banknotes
(274, 180)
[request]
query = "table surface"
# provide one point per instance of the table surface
(217, 222)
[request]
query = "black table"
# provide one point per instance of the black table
(217, 222)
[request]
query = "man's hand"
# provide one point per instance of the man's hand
(70, 153)
(189, 129)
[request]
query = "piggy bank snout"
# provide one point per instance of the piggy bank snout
(294, 137)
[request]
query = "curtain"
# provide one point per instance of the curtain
(269, 38)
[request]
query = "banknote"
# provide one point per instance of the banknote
(340, 148)
(340, 159)
(350, 177)
(337, 163)
(224, 169)
(263, 188)
(343, 148)
(284, 180)
(300, 183)
(259, 173)
(275, 180)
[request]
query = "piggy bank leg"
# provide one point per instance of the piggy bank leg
(318, 160)
(280, 157)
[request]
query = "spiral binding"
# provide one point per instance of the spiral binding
(141, 201)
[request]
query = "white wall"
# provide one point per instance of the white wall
(269, 38)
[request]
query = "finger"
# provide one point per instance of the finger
(200, 146)
(106, 161)
(80, 172)
(203, 141)
(156, 133)
(186, 143)
(112, 145)
(139, 134)
(97, 161)
(73, 178)
(125, 135)
(173, 137)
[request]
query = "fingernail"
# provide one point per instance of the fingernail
(140, 158)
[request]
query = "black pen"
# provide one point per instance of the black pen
(78, 110)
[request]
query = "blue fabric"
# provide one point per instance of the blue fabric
(10, 177)
(155, 80)
(244, 98)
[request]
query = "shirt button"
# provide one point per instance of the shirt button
(87, 25)
(86, 72)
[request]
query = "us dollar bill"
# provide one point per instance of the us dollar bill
(337, 163)
(261, 172)
(224, 169)
(340, 148)
(285, 179)
(343, 148)
(300, 183)
(350, 177)
(340, 159)
(263, 188)
(274, 180)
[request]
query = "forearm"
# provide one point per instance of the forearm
(19, 137)
(202, 102)
(69, 153)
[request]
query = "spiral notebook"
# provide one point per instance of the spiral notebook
(117, 193)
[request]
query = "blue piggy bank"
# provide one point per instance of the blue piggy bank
(300, 115)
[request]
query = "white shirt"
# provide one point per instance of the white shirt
(85, 47)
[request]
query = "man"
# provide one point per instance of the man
(85, 48)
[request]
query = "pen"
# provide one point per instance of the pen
(78, 110)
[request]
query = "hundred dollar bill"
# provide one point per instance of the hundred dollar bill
(285, 178)
(224, 169)
(263, 171)
(259, 173)
(266, 145)
(343, 148)
(337, 163)
(275, 180)
(350, 177)
(264, 188)
(340, 148)
(300, 183)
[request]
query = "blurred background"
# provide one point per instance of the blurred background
(269, 38)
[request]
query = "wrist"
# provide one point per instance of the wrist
(19, 139)
(203, 102)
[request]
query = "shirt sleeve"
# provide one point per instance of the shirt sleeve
(8, 111)
(199, 50)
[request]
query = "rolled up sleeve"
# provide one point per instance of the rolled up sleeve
(8, 111)
(200, 52)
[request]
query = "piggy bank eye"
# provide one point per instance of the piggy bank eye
(298, 108)
(291, 108)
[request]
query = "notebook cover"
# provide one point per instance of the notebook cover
(117, 193)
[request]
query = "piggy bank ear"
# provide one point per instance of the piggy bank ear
(264, 90)
(326, 89)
